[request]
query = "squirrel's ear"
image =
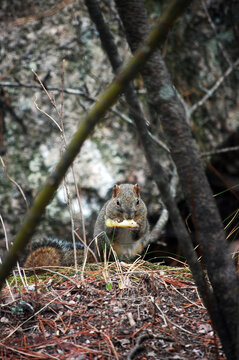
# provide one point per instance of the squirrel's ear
(136, 189)
(116, 190)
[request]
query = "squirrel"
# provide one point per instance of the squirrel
(51, 252)
(125, 204)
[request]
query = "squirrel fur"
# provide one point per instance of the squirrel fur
(125, 204)
(52, 252)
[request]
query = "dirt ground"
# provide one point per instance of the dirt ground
(138, 311)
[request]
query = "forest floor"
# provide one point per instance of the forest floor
(139, 311)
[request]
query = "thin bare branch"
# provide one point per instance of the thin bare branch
(47, 93)
(211, 91)
(35, 17)
(14, 182)
(220, 151)
(44, 113)
(69, 91)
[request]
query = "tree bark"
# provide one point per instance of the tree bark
(208, 227)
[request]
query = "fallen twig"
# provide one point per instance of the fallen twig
(138, 346)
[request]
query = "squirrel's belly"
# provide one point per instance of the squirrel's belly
(124, 237)
(125, 246)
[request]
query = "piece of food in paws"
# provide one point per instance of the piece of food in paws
(123, 224)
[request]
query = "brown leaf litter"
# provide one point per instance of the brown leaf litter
(141, 312)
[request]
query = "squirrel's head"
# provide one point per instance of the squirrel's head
(126, 202)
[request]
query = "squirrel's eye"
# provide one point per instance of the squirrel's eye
(117, 202)
(137, 202)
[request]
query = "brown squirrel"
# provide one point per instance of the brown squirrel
(125, 204)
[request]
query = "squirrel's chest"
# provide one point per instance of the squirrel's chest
(125, 244)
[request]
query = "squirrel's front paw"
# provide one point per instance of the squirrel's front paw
(134, 229)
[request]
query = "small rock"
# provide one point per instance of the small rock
(4, 320)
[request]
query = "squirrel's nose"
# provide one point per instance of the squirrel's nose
(129, 215)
